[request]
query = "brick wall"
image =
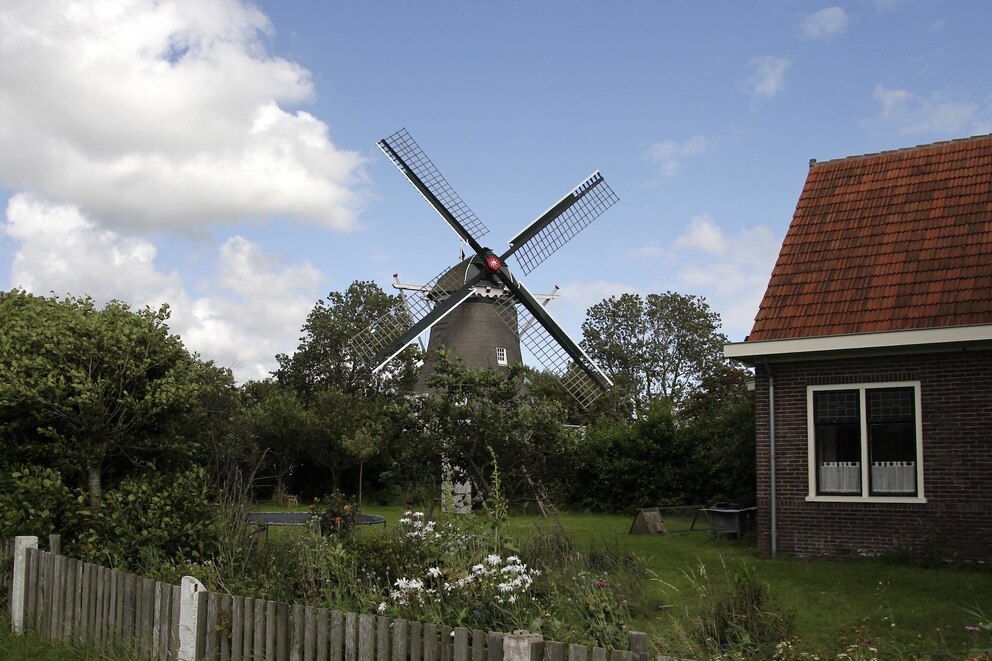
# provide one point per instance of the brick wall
(956, 408)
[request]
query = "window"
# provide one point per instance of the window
(501, 355)
(865, 442)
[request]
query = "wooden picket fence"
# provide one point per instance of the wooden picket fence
(67, 600)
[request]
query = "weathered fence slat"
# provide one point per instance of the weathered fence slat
(210, 642)
(147, 616)
(258, 635)
(323, 634)
(444, 644)
(461, 644)
(30, 588)
(258, 631)
(350, 637)
(296, 641)
(578, 652)
(430, 643)
(130, 609)
(382, 638)
(599, 654)
(494, 648)
(554, 651)
(336, 653)
(283, 631)
(416, 641)
(310, 634)
(270, 630)
(55, 603)
(478, 645)
(237, 628)
(224, 627)
(366, 637)
(400, 641)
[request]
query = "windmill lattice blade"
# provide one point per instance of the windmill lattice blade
(548, 353)
(383, 332)
(594, 197)
(414, 158)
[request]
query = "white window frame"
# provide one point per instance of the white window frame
(501, 358)
(865, 464)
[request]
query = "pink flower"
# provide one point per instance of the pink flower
(600, 584)
(971, 629)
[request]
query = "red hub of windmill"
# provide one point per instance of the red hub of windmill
(493, 265)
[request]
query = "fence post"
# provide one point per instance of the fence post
(191, 619)
(18, 592)
(522, 646)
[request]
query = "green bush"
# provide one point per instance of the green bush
(33, 501)
(155, 517)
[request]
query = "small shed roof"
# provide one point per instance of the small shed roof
(895, 241)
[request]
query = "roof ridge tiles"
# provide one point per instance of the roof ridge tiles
(931, 145)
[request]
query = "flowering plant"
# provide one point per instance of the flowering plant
(337, 514)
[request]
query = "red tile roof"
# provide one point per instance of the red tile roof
(899, 240)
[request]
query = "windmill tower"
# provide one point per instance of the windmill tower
(478, 308)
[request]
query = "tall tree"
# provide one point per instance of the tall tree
(324, 359)
(337, 389)
(90, 390)
(662, 345)
(474, 410)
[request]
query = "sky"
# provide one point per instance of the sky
(219, 155)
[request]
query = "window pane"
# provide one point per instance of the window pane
(838, 441)
(892, 441)
(836, 406)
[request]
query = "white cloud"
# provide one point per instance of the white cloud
(703, 234)
(768, 77)
(668, 155)
(933, 114)
(825, 24)
(730, 271)
(253, 311)
(146, 113)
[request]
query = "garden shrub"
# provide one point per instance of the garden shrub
(171, 513)
(33, 501)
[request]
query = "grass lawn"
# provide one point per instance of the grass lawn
(900, 606)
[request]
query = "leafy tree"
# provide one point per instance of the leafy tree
(662, 345)
(92, 391)
(473, 410)
(279, 427)
(324, 358)
(718, 420)
(338, 390)
(621, 465)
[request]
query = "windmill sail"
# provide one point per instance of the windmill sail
(411, 160)
(551, 348)
(559, 224)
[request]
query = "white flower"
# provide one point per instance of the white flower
(493, 559)
(478, 569)
(512, 599)
(434, 572)
(513, 559)
(382, 607)
(505, 587)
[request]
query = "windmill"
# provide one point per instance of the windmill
(477, 309)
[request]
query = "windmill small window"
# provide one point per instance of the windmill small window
(501, 356)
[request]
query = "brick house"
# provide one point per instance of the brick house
(872, 351)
